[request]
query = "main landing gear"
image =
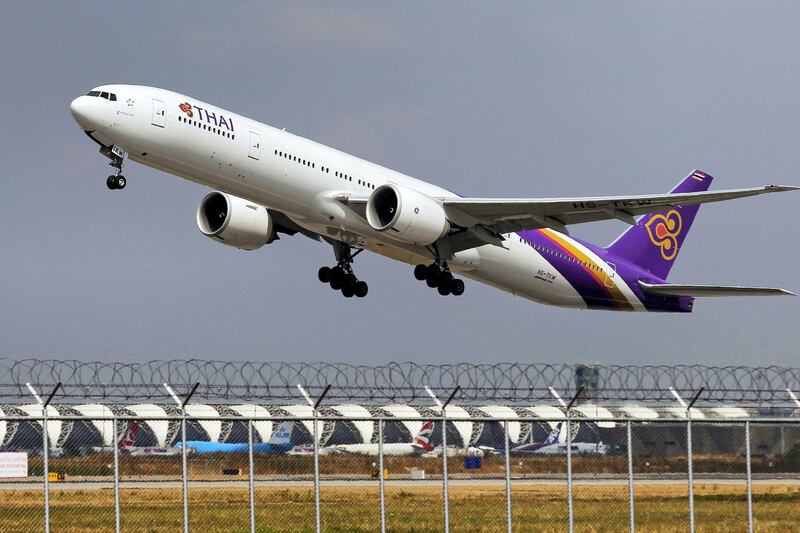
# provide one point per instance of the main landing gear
(341, 277)
(437, 276)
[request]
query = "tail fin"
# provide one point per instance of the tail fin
(423, 438)
(283, 434)
(555, 435)
(653, 243)
(498, 436)
(127, 440)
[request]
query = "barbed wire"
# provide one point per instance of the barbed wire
(222, 381)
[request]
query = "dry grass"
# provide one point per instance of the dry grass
(409, 508)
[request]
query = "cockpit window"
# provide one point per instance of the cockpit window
(108, 96)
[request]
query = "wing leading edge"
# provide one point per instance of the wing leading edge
(505, 215)
(672, 289)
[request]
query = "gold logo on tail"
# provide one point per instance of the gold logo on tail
(663, 231)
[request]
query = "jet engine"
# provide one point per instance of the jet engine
(406, 215)
(235, 221)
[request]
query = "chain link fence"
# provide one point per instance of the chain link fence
(433, 472)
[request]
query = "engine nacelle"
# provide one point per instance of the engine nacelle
(235, 221)
(406, 215)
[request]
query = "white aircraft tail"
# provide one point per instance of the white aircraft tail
(283, 434)
(557, 436)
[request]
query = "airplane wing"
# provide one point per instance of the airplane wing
(505, 215)
(671, 289)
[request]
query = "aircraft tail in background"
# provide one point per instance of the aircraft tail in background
(556, 435)
(423, 438)
(654, 242)
(282, 435)
(129, 437)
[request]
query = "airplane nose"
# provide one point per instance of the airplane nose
(80, 109)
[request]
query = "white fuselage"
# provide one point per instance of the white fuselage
(400, 449)
(296, 176)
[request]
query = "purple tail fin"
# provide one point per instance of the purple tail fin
(653, 243)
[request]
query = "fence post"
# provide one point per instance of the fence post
(46, 470)
(508, 476)
(570, 504)
(315, 413)
(45, 450)
(116, 478)
(749, 477)
(184, 456)
(691, 466)
(380, 475)
(690, 471)
(630, 478)
(250, 478)
(445, 480)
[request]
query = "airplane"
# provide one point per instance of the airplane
(421, 445)
(268, 182)
(279, 443)
(127, 444)
(555, 444)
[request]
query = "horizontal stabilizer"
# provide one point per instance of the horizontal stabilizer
(671, 289)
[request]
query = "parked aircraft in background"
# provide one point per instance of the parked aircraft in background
(127, 444)
(270, 182)
(421, 445)
(555, 444)
(279, 443)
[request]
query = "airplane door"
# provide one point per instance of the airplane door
(159, 113)
(255, 145)
(609, 279)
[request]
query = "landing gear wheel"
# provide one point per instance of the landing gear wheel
(443, 289)
(432, 274)
(121, 182)
(336, 284)
(457, 287)
(349, 282)
(324, 274)
(337, 275)
(420, 272)
(348, 292)
(111, 182)
(361, 289)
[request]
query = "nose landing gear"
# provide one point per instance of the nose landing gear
(116, 180)
(341, 276)
(437, 276)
